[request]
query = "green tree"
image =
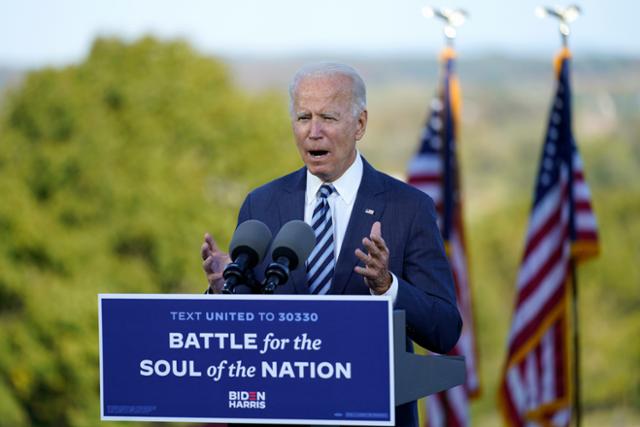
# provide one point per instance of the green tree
(110, 172)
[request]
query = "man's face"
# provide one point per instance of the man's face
(324, 126)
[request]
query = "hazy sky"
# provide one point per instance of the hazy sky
(37, 32)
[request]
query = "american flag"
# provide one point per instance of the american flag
(536, 383)
(434, 170)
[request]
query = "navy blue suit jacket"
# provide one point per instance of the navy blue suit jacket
(416, 253)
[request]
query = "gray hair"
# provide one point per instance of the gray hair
(323, 69)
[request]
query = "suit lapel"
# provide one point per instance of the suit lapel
(291, 207)
(367, 209)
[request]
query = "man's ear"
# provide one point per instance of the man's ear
(362, 124)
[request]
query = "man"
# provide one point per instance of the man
(329, 115)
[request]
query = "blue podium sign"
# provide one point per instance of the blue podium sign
(250, 359)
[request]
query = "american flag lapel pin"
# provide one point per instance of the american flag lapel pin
(369, 211)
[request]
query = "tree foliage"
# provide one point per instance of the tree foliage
(110, 172)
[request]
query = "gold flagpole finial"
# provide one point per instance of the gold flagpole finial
(566, 15)
(452, 18)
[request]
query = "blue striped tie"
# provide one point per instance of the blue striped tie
(321, 260)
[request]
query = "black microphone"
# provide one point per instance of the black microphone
(291, 247)
(248, 247)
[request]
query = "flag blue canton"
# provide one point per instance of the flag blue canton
(559, 144)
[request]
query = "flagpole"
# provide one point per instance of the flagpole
(577, 402)
(566, 16)
(449, 408)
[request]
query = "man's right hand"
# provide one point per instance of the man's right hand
(213, 263)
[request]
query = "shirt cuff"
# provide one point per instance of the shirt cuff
(393, 289)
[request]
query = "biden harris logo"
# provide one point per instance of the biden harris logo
(248, 399)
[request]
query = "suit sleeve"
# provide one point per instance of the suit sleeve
(245, 210)
(426, 289)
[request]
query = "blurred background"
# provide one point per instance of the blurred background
(128, 129)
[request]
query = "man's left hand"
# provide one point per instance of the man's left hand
(376, 261)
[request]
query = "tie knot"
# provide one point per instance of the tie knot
(326, 190)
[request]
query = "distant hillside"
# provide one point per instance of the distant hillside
(9, 76)
(491, 69)
(495, 69)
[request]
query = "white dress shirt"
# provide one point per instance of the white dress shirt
(341, 203)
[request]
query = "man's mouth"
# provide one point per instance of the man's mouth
(318, 153)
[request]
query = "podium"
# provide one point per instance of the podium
(331, 360)
(418, 376)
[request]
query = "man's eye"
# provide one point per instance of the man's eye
(303, 118)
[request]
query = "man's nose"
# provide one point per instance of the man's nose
(316, 129)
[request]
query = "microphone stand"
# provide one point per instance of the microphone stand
(277, 274)
(236, 274)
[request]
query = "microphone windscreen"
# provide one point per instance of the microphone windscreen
(295, 240)
(252, 237)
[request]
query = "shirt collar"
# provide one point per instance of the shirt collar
(346, 186)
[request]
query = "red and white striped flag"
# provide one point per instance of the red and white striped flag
(434, 170)
(536, 382)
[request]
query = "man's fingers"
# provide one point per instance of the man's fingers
(205, 251)
(375, 259)
(371, 264)
(376, 229)
(369, 245)
(369, 274)
(376, 250)
(207, 265)
(376, 236)
(213, 277)
(362, 256)
(379, 242)
(213, 246)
